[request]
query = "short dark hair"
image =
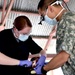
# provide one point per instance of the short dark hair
(22, 21)
(40, 4)
(43, 4)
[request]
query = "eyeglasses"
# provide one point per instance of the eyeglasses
(56, 2)
(41, 19)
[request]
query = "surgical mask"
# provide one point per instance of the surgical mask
(23, 37)
(50, 21)
(53, 21)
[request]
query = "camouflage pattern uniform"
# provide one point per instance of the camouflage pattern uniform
(66, 41)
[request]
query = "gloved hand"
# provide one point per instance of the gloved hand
(40, 64)
(25, 63)
(41, 60)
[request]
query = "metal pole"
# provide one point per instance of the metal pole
(3, 11)
(8, 11)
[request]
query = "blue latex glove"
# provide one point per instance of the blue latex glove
(25, 63)
(41, 60)
(39, 64)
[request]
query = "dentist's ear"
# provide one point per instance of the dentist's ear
(50, 8)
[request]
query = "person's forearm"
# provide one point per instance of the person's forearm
(5, 60)
(57, 61)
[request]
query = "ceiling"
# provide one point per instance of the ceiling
(31, 5)
(22, 5)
